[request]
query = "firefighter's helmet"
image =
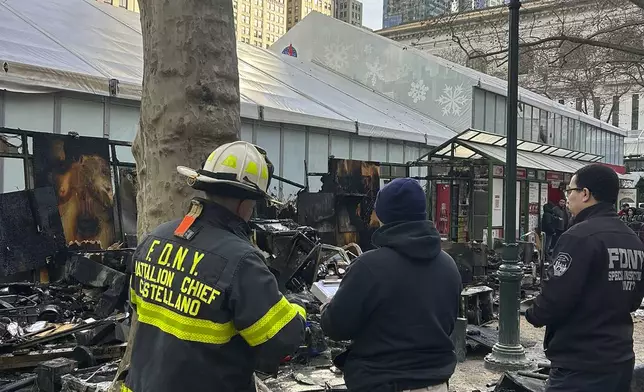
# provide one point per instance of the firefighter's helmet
(238, 169)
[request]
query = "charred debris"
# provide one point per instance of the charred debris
(64, 308)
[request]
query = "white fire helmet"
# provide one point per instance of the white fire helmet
(238, 169)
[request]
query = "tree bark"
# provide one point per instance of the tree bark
(189, 106)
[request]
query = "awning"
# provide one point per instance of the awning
(473, 144)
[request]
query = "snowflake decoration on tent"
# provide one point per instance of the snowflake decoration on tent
(375, 72)
(368, 49)
(403, 71)
(452, 100)
(356, 57)
(418, 91)
(336, 55)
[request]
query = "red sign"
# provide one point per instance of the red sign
(521, 173)
(554, 176)
(442, 209)
(618, 169)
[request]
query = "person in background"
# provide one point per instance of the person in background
(549, 227)
(563, 220)
(399, 302)
(624, 209)
(593, 284)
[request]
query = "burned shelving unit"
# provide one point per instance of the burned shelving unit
(343, 211)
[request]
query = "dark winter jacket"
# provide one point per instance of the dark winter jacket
(398, 304)
(563, 218)
(594, 283)
(209, 310)
(549, 221)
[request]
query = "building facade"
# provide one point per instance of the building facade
(259, 22)
(578, 81)
(298, 9)
(349, 11)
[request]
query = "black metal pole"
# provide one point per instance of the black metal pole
(508, 353)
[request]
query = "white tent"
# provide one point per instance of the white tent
(81, 45)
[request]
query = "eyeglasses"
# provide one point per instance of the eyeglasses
(570, 190)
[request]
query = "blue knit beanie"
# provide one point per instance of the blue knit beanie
(401, 200)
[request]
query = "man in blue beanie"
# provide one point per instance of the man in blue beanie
(398, 303)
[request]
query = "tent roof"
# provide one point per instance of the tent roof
(432, 85)
(79, 45)
(473, 144)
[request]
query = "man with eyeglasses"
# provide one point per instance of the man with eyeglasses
(593, 284)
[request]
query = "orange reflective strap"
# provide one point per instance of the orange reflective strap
(182, 230)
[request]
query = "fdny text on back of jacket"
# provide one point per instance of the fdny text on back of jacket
(625, 265)
(157, 278)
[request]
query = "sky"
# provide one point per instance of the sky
(372, 14)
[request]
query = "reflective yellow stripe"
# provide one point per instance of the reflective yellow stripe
(270, 324)
(182, 327)
(300, 310)
(125, 389)
(251, 168)
(230, 161)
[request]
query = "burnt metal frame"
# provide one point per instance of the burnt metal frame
(27, 161)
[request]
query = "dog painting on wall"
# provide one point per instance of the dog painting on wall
(79, 171)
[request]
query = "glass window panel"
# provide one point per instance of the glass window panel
(501, 117)
(463, 152)
(543, 126)
(445, 150)
(564, 132)
(486, 139)
(490, 112)
(585, 131)
(398, 171)
(528, 146)
(479, 109)
(520, 121)
(613, 148)
(578, 136)
(527, 126)
(555, 132)
(468, 135)
(620, 149)
(536, 127)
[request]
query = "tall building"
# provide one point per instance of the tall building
(298, 9)
(349, 11)
(397, 12)
(130, 5)
(259, 22)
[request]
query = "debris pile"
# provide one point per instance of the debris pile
(67, 331)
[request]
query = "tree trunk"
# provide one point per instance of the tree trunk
(189, 105)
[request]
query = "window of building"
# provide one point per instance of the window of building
(108, 2)
(635, 115)
(123, 3)
(615, 111)
(578, 104)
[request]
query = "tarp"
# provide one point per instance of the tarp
(80, 45)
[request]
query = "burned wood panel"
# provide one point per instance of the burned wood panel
(30, 230)
(356, 184)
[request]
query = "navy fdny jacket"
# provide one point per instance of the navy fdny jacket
(594, 283)
(209, 310)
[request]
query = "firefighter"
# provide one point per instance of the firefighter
(209, 310)
(594, 283)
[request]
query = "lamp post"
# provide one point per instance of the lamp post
(508, 353)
